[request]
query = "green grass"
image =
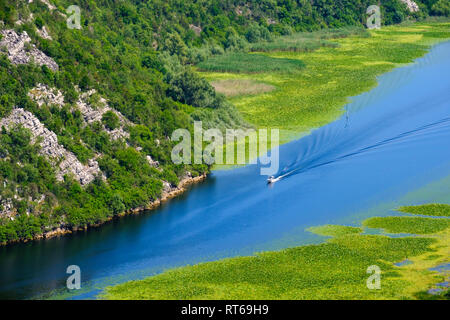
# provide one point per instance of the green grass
(295, 44)
(416, 225)
(434, 209)
(334, 230)
(315, 95)
(424, 295)
(240, 62)
(335, 269)
(308, 41)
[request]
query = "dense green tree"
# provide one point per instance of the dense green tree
(189, 88)
(110, 120)
(441, 8)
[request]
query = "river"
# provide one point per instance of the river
(392, 147)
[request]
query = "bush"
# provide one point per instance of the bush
(189, 88)
(152, 61)
(441, 8)
(38, 22)
(240, 62)
(110, 120)
(257, 33)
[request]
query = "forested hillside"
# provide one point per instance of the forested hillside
(87, 113)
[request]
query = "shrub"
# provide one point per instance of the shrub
(110, 120)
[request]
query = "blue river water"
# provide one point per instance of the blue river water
(392, 142)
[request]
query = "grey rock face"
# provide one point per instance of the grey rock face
(21, 51)
(7, 209)
(42, 94)
(43, 33)
(196, 29)
(166, 187)
(152, 162)
(91, 114)
(412, 6)
(68, 162)
(47, 3)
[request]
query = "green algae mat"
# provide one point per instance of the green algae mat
(335, 269)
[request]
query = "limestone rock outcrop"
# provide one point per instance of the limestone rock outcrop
(42, 94)
(167, 187)
(197, 30)
(91, 114)
(412, 6)
(47, 3)
(43, 33)
(20, 50)
(152, 162)
(7, 208)
(66, 160)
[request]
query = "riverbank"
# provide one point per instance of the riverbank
(165, 196)
(328, 69)
(314, 95)
(337, 268)
(234, 213)
(334, 269)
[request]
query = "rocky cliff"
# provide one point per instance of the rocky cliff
(66, 161)
(412, 6)
(20, 50)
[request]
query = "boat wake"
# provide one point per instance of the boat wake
(320, 160)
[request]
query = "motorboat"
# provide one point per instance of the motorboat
(272, 180)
